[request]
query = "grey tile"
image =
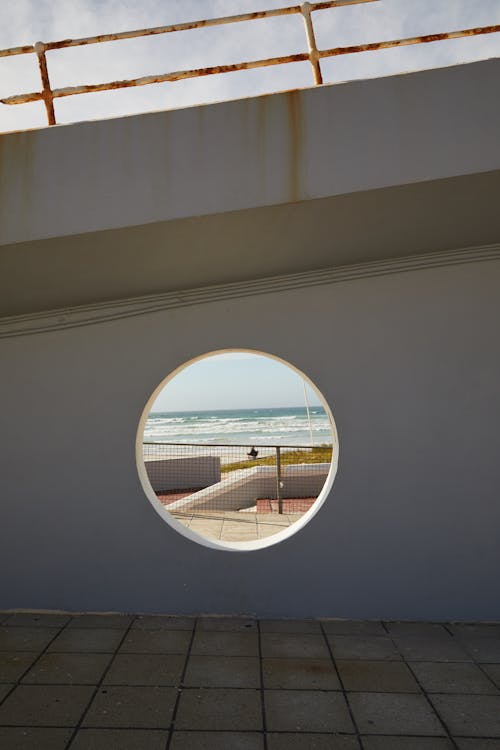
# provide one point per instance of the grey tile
(219, 709)
(475, 629)
(36, 620)
(93, 640)
(469, 715)
(226, 623)
(317, 741)
(353, 627)
(417, 629)
(45, 705)
(26, 639)
(484, 650)
(468, 743)
(431, 649)
(14, 664)
(217, 741)
(290, 626)
(163, 622)
(359, 647)
(493, 672)
(34, 738)
(68, 669)
(394, 713)
(120, 622)
(4, 616)
(377, 676)
(452, 677)
(294, 645)
(305, 674)
(225, 644)
(156, 641)
(145, 669)
(4, 691)
(120, 739)
(136, 707)
(306, 711)
(406, 743)
(223, 671)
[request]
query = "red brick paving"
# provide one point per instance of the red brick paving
(290, 505)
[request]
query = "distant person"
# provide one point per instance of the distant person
(253, 453)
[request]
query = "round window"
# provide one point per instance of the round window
(237, 449)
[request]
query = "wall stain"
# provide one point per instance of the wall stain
(295, 139)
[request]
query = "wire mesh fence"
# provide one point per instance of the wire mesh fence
(236, 492)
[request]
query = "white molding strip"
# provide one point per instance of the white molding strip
(84, 315)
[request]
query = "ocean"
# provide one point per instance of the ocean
(283, 426)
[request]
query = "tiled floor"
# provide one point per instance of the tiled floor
(110, 682)
(236, 526)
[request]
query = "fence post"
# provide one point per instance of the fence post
(305, 9)
(47, 96)
(278, 479)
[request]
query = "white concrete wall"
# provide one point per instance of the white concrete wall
(190, 472)
(409, 363)
(242, 488)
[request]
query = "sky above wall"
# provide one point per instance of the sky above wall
(27, 21)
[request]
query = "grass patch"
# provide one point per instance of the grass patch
(318, 455)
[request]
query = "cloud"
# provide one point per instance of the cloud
(29, 20)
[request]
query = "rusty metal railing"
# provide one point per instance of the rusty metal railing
(313, 55)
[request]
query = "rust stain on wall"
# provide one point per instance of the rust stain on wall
(295, 140)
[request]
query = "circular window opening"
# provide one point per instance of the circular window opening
(237, 449)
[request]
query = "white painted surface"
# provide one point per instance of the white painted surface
(409, 363)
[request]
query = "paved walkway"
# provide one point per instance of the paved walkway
(236, 526)
(160, 683)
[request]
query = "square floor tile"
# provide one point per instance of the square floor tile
(431, 648)
(134, 707)
(304, 674)
(417, 629)
(217, 741)
(359, 647)
(353, 627)
(5, 690)
(90, 640)
(45, 705)
(468, 743)
(36, 620)
(306, 711)
(406, 743)
(226, 623)
(145, 669)
(120, 622)
(483, 650)
(14, 664)
(34, 738)
(294, 645)
(290, 626)
(156, 641)
(493, 672)
(475, 629)
(452, 677)
(469, 715)
(26, 639)
(68, 669)
(377, 676)
(316, 741)
(163, 622)
(120, 739)
(223, 671)
(394, 713)
(219, 709)
(225, 644)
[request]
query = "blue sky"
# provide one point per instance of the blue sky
(26, 21)
(234, 381)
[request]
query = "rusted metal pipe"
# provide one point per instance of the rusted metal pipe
(47, 95)
(373, 46)
(306, 9)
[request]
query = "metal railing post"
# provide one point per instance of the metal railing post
(305, 9)
(47, 95)
(278, 480)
